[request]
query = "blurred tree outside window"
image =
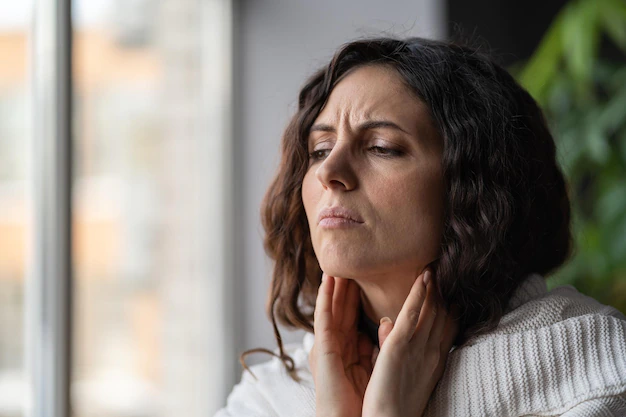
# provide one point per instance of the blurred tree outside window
(583, 95)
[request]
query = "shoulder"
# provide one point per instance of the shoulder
(267, 390)
(535, 308)
(247, 399)
(552, 351)
(274, 370)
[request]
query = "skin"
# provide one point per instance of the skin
(349, 381)
(391, 178)
(399, 196)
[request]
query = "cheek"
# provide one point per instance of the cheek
(309, 193)
(412, 202)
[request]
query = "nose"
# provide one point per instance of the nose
(337, 170)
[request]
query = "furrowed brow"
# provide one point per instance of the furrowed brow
(371, 124)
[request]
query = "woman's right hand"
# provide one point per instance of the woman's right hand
(341, 358)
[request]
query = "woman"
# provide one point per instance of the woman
(419, 180)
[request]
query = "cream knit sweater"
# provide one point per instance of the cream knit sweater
(557, 353)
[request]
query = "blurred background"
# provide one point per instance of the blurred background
(177, 112)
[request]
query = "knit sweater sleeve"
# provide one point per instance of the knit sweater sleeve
(246, 400)
(611, 406)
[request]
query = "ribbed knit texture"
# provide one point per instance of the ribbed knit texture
(553, 353)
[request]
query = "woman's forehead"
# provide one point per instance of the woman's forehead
(373, 94)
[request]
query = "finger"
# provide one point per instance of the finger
(366, 349)
(428, 313)
(375, 356)
(439, 325)
(404, 326)
(339, 299)
(385, 328)
(326, 346)
(322, 316)
(352, 302)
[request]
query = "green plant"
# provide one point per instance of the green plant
(584, 99)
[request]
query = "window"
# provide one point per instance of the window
(150, 147)
(15, 203)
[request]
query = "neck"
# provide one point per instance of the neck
(384, 295)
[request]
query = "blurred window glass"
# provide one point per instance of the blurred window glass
(141, 335)
(15, 203)
(148, 183)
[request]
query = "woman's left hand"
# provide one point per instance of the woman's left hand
(412, 355)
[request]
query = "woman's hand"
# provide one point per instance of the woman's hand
(340, 358)
(412, 355)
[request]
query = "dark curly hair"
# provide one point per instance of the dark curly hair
(507, 209)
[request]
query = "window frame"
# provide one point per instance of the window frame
(48, 299)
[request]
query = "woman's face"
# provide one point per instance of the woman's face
(373, 192)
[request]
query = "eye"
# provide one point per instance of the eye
(387, 152)
(319, 154)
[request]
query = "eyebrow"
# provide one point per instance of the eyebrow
(372, 124)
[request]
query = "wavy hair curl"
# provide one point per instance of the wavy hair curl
(507, 209)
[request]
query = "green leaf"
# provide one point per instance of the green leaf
(569, 150)
(617, 77)
(542, 66)
(558, 97)
(580, 42)
(613, 114)
(622, 145)
(617, 250)
(612, 202)
(597, 144)
(613, 18)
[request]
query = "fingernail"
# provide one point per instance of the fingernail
(384, 320)
(427, 277)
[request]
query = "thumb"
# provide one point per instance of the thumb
(386, 325)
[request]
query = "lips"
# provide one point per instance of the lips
(339, 213)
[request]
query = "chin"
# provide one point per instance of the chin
(346, 259)
(341, 273)
(344, 267)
